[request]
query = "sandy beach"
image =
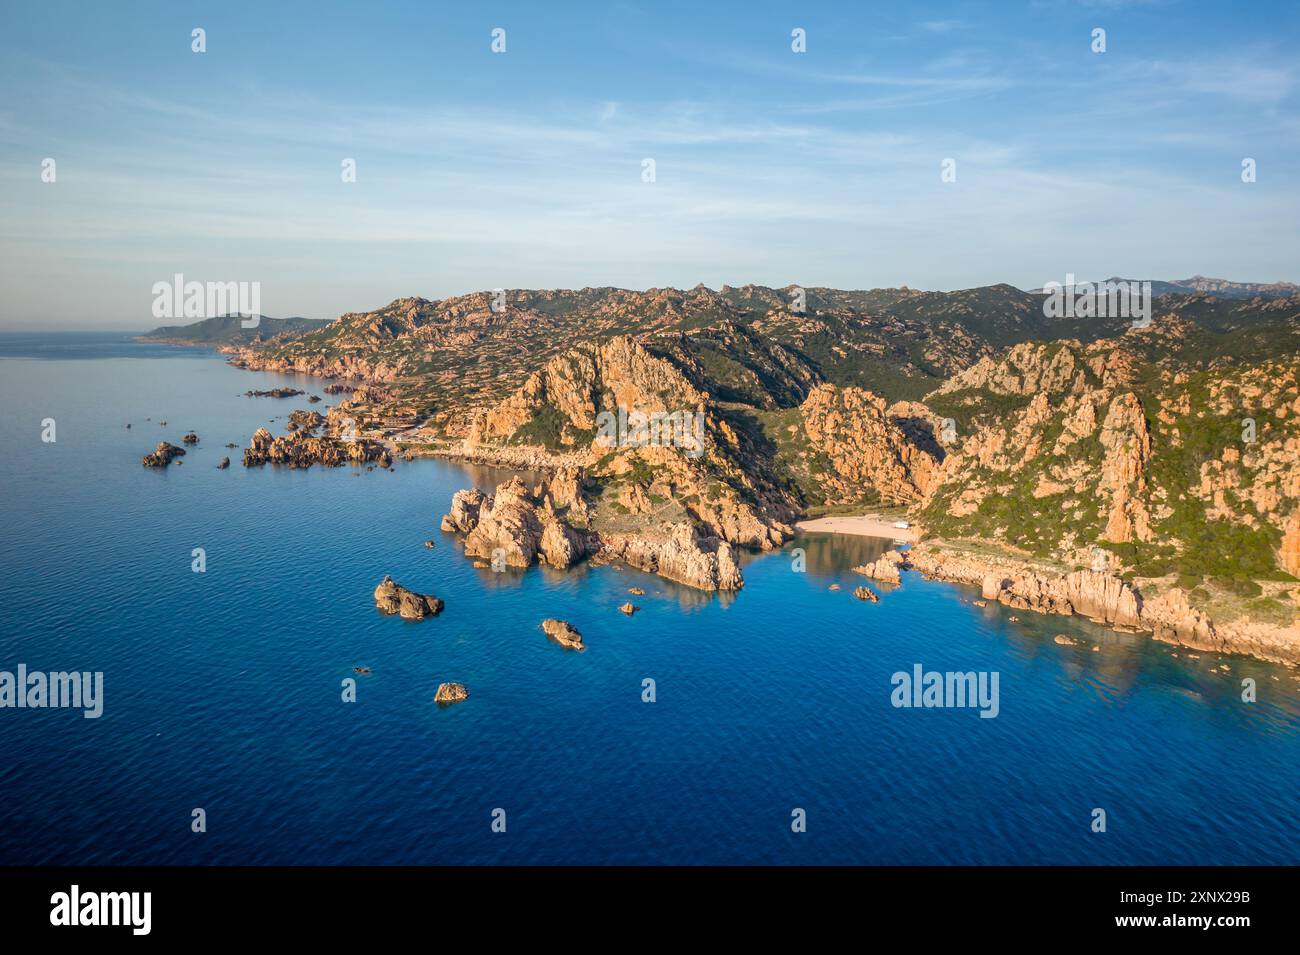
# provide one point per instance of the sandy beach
(864, 525)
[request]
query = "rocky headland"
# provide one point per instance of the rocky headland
(518, 526)
(335, 445)
(1145, 477)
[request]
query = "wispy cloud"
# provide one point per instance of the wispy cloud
(771, 166)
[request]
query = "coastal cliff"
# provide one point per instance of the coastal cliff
(1166, 457)
(1108, 599)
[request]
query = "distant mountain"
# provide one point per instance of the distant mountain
(229, 330)
(1219, 287)
(472, 349)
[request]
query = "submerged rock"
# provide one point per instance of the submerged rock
(563, 633)
(392, 597)
(451, 693)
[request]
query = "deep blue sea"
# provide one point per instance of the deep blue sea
(223, 689)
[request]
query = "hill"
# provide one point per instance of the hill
(229, 330)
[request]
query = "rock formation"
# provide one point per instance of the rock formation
(451, 693)
(867, 449)
(275, 393)
(1288, 557)
(1166, 458)
(391, 597)
(519, 526)
(162, 456)
(515, 526)
(564, 634)
(1168, 614)
(884, 568)
(684, 555)
(305, 420)
(299, 449)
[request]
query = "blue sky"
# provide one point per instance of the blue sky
(524, 169)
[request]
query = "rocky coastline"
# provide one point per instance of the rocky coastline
(1160, 455)
(1106, 599)
(518, 526)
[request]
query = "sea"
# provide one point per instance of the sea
(754, 728)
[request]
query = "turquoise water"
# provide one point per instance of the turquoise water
(223, 689)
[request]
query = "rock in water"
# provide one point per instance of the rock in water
(225, 463)
(301, 449)
(451, 693)
(275, 393)
(305, 420)
(190, 438)
(392, 597)
(564, 634)
(629, 608)
(885, 569)
(865, 593)
(162, 455)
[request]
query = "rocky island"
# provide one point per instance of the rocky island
(392, 598)
(163, 455)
